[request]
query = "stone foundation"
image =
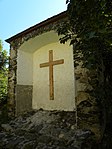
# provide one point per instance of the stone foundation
(23, 98)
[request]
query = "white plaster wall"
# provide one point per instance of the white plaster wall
(64, 90)
(39, 41)
(24, 68)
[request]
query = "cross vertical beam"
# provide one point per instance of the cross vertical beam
(50, 64)
(51, 81)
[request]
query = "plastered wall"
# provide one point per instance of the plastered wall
(64, 90)
(31, 76)
(24, 68)
(24, 85)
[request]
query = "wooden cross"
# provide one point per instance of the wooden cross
(50, 64)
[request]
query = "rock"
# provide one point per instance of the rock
(73, 127)
(2, 135)
(28, 145)
(61, 135)
(7, 127)
(43, 130)
(82, 134)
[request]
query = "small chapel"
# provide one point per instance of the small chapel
(42, 75)
(41, 71)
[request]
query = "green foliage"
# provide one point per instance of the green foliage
(3, 79)
(89, 29)
(3, 84)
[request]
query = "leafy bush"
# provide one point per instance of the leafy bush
(3, 82)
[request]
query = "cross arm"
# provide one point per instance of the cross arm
(57, 62)
(44, 65)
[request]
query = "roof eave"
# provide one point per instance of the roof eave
(39, 25)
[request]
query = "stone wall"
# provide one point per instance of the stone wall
(87, 109)
(12, 80)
